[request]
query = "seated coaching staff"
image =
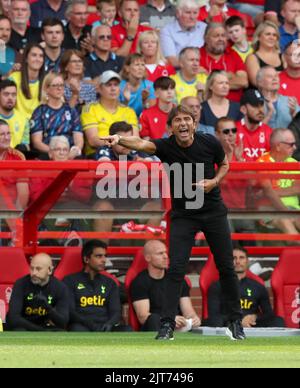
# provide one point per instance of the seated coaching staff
(94, 298)
(39, 301)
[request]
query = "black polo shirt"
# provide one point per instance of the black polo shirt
(19, 42)
(205, 153)
(95, 66)
(70, 43)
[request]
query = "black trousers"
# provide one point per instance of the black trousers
(182, 238)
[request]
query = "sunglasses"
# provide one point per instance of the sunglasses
(293, 144)
(105, 37)
(227, 131)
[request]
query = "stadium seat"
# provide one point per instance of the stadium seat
(13, 266)
(209, 275)
(285, 283)
(138, 265)
(71, 262)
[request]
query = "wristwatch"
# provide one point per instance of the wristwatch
(130, 38)
(120, 138)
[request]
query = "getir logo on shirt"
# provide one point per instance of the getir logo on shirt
(92, 301)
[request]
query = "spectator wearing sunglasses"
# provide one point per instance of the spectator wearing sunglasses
(281, 194)
(234, 190)
(102, 58)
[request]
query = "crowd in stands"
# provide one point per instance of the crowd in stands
(81, 70)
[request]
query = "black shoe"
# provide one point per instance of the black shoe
(165, 332)
(235, 331)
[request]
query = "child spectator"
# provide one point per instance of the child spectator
(236, 31)
(154, 120)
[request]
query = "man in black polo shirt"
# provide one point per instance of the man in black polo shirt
(76, 31)
(102, 59)
(22, 34)
(39, 302)
(189, 150)
(94, 298)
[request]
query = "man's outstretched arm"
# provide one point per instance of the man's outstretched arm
(131, 142)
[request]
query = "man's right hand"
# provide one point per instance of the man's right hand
(111, 140)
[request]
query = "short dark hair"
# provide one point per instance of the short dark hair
(176, 111)
(120, 126)
(222, 120)
(241, 249)
(90, 246)
(3, 17)
(3, 122)
(235, 21)
(51, 22)
(7, 83)
(164, 83)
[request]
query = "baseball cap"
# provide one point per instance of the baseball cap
(252, 97)
(108, 76)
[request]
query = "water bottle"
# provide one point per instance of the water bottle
(2, 51)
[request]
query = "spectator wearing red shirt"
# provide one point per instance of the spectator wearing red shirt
(126, 34)
(215, 55)
(252, 132)
(290, 77)
(154, 120)
(218, 11)
(156, 65)
(16, 189)
(234, 190)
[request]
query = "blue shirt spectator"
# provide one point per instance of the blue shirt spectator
(41, 10)
(136, 99)
(281, 117)
(55, 122)
(6, 63)
(286, 38)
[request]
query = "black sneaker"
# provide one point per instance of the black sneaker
(235, 331)
(165, 332)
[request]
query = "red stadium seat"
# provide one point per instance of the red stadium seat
(209, 275)
(13, 266)
(285, 283)
(138, 265)
(71, 262)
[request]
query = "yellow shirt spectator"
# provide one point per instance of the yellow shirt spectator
(243, 54)
(94, 115)
(24, 106)
(19, 128)
(187, 89)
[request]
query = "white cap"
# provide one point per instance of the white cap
(108, 76)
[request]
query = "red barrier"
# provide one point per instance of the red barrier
(64, 172)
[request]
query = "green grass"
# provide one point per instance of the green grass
(128, 350)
